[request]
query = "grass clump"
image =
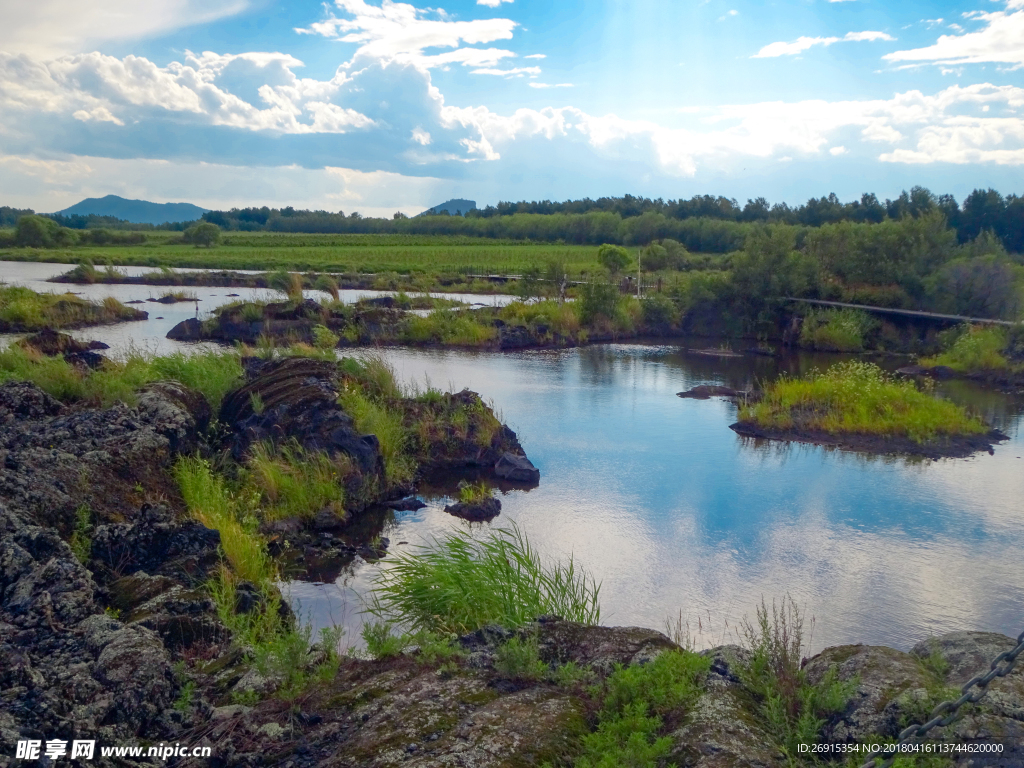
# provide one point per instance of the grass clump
(794, 708)
(383, 419)
(471, 493)
(836, 330)
(460, 584)
(324, 337)
(857, 397)
(974, 348)
(213, 373)
(636, 701)
(448, 326)
(292, 482)
(22, 309)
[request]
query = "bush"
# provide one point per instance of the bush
(597, 300)
(836, 330)
(659, 309)
(42, 232)
(203, 234)
(519, 659)
(459, 584)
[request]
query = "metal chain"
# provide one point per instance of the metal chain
(945, 713)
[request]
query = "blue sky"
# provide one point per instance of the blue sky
(378, 106)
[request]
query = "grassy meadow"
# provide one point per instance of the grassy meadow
(331, 253)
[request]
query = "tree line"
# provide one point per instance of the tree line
(704, 223)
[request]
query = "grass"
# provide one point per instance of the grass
(213, 504)
(381, 418)
(635, 701)
(81, 541)
(519, 659)
(447, 326)
(400, 254)
(460, 584)
(212, 373)
(292, 482)
(22, 309)
(857, 397)
(974, 348)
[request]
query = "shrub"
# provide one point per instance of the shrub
(324, 338)
(204, 234)
(836, 330)
(519, 659)
(460, 584)
(659, 309)
(597, 300)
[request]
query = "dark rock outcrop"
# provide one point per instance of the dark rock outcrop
(516, 468)
(705, 391)
(475, 511)
(297, 399)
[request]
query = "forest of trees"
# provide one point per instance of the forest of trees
(702, 223)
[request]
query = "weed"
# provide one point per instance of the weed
(571, 674)
(459, 584)
(184, 701)
(836, 330)
(794, 708)
(297, 483)
(636, 699)
(381, 642)
(519, 659)
(81, 542)
(974, 349)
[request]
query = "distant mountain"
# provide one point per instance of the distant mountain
(454, 207)
(135, 211)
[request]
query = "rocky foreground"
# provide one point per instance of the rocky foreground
(93, 638)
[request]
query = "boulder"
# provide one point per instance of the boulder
(475, 511)
(187, 330)
(517, 469)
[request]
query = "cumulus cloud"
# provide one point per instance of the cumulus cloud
(492, 3)
(56, 27)
(399, 31)
(1000, 41)
(801, 44)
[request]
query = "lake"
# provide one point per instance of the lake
(674, 513)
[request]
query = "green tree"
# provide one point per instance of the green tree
(41, 232)
(614, 258)
(204, 234)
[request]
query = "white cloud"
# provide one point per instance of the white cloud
(514, 72)
(56, 27)
(399, 31)
(535, 56)
(100, 114)
(551, 85)
(420, 136)
(801, 44)
(837, 151)
(492, 3)
(1000, 41)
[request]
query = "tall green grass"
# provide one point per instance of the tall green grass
(460, 584)
(447, 326)
(386, 421)
(118, 380)
(213, 504)
(857, 397)
(293, 482)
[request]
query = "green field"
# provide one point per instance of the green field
(329, 253)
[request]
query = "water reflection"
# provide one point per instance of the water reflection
(673, 511)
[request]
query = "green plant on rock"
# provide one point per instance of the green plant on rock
(974, 348)
(293, 482)
(324, 337)
(518, 658)
(81, 541)
(794, 708)
(472, 493)
(635, 702)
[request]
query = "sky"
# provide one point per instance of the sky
(378, 106)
